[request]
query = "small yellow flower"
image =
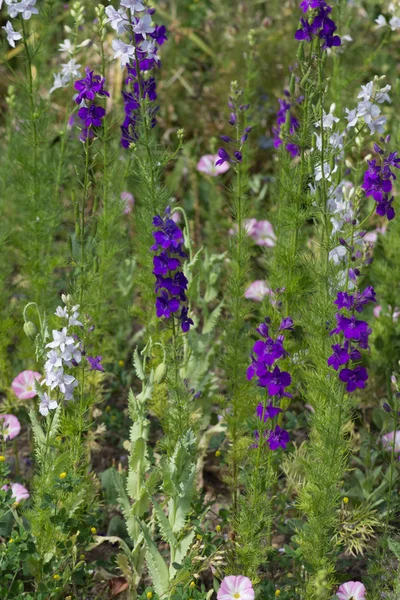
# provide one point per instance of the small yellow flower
(345, 500)
(68, 597)
(218, 453)
(15, 504)
(63, 475)
(56, 577)
(192, 584)
(218, 528)
(108, 408)
(199, 537)
(2, 458)
(277, 593)
(82, 557)
(93, 530)
(121, 364)
(10, 541)
(149, 595)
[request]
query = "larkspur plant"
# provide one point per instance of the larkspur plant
(142, 452)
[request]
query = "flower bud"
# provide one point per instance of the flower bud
(30, 329)
(160, 373)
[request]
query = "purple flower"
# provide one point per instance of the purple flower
(95, 363)
(166, 305)
(89, 87)
(351, 328)
(171, 289)
(342, 355)
(354, 378)
(269, 412)
(223, 157)
(275, 381)
(164, 263)
(92, 115)
(286, 323)
(278, 438)
(321, 26)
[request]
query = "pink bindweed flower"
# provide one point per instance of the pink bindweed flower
(351, 590)
(236, 588)
(263, 234)
(24, 384)
(257, 291)
(389, 438)
(129, 201)
(207, 165)
(9, 427)
(19, 492)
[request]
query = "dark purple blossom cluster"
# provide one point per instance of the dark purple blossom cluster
(281, 117)
(266, 352)
(319, 24)
(90, 114)
(355, 333)
(378, 180)
(142, 84)
(242, 133)
(171, 284)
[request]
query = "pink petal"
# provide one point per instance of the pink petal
(11, 426)
(24, 384)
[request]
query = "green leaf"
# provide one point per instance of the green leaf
(38, 432)
(211, 321)
(165, 527)
(137, 363)
(157, 566)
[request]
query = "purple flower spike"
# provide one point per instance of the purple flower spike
(92, 115)
(223, 157)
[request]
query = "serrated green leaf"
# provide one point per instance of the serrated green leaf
(157, 566)
(137, 363)
(165, 527)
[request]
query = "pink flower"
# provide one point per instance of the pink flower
(207, 165)
(257, 291)
(378, 309)
(387, 441)
(351, 590)
(263, 234)
(19, 492)
(24, 384)
(236, 588)
(10, 427)
(129, 201)
(372, 236)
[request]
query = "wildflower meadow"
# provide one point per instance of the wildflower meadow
(200, 300)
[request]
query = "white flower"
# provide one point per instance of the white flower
(327, 172)
(54, 378)
(352, 117)
(59, 82)
(382, 95)
(61, 312)
(133, 5)
(54, 361)
(66, 46)
(73, 320)
(117, 18)
(366, 91)
(71, 352)
(381, 21)
(378, 125)
(368, 111)
(26, 8)
(123, 51)
(69, 390)
(394, 23)
(70, 70)
(337, 254)
(12, 36)
(60, 339)
(149, 48)
(46, 404)
(328, 119)
(144, 26)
